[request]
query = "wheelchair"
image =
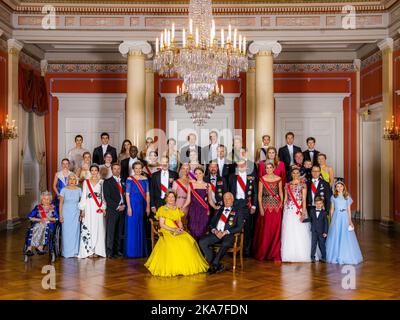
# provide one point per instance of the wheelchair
(54, 244)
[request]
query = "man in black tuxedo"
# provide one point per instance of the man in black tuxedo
(218, 185)
(191, 146)
(126, 164)
(311, 154)
(318, 187)
(286, 153)
(210, 152)
(251, 168)
(225, 223)
(161, 181)
(244, 189)
(114, 194)
(100, 151)
(319, 228)
(225, 167)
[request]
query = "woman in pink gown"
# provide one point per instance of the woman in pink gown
(267, 237)
(272, 156)
(181, 187)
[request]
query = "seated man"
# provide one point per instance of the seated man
(225, 223)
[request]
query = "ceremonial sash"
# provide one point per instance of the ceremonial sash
(313, 188)
(120, 188)
(41, 211)
(269, 189)
(243, 186)
(181, 186)
(191, 174)
(223, 218)
(213, 188)
(197, 196)
(294, 200)
(148, 170)
(99, 205)
(139, 187)
(164, 188)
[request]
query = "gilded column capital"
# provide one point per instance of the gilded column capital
(386, 44)
(14, 46)
(265, 48)
(43, 67)
(357, 64)
(135, 48)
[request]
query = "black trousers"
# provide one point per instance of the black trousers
(115, 223)
(317, 238)
(211, 239)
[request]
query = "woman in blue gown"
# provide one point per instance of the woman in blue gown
(138, 201)
(61, 180)
(341, 244)
(69, 217)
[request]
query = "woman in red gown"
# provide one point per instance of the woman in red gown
(267, 238)
(272, 157)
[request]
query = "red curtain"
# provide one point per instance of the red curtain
(32, 92)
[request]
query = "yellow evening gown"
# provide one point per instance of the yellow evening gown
(175, 255)
(325, 176)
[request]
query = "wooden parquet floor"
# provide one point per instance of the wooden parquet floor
(377, 278)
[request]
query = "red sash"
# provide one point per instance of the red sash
(243, 186)
(197, 196)
(164, 188)
(41, 211)
(223, 218)
(99, 205)
(139, 187)
(313, 188)
(269, 189)
(121, 191)
(148, 170)
(213, 188)
(294, 200)
(181, 186)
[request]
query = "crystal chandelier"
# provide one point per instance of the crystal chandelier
(202, 58)
(200, 109)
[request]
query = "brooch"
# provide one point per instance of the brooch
(220, 183)
(249, 193)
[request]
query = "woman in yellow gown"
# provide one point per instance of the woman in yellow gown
(176, 252)
(327, 172)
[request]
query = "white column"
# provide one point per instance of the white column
(357, 67)
(250, 111)
(135, 115)
(14, 49)
(386, 46)
(264, 116)
(149, 101)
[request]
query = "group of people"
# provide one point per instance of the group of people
(287, 203)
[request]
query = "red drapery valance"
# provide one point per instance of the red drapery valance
(32, 92)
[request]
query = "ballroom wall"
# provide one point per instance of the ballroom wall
(396, 144)
(3, 144)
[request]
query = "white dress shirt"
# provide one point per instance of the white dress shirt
(131, 162)
(221, 224)
(317, 212)
(212, 152)
(315, 182)
(240, 193)
(104, 147)
(221, 163)
(263, 155)
(290, 148)
(311, 155)
(164, 181)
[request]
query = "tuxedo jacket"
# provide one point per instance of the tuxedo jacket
(234, 223)
(185, 154)
(251, 191)
(306, 155)
(98, 154)
(125, 168)
(112, 194)
(323, 190)
(155, 187)
(221, 187)
(318, 225)
(227, 170)
(284, 156)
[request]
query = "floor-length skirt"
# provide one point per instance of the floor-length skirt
(70, 232)
(135, 231)
(93, 233)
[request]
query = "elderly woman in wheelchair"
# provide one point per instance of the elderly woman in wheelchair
(43, 220)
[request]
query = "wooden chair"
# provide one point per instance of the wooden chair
(237, 247)
(155, 233)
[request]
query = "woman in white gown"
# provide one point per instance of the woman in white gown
(93, 227)
(296, 235)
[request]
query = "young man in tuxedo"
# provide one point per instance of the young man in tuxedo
(126, 164)
(192, 146)
(114, 194)
(318, 187)
(210, 152)
(225, 223)
(311, 154)
(286, 153)
(318, 217)
(161, 181)
(261, 153)
(100, 151)
(244, 189)
(225, 167)
(218, 185)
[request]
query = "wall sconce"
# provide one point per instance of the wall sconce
(8, 131)
(390, 131)
(366, 113)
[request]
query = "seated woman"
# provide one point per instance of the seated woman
(42, 219)
(176, 252)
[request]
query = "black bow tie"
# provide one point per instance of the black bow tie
(227, 209)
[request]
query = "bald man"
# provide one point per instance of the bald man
(225, 223)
